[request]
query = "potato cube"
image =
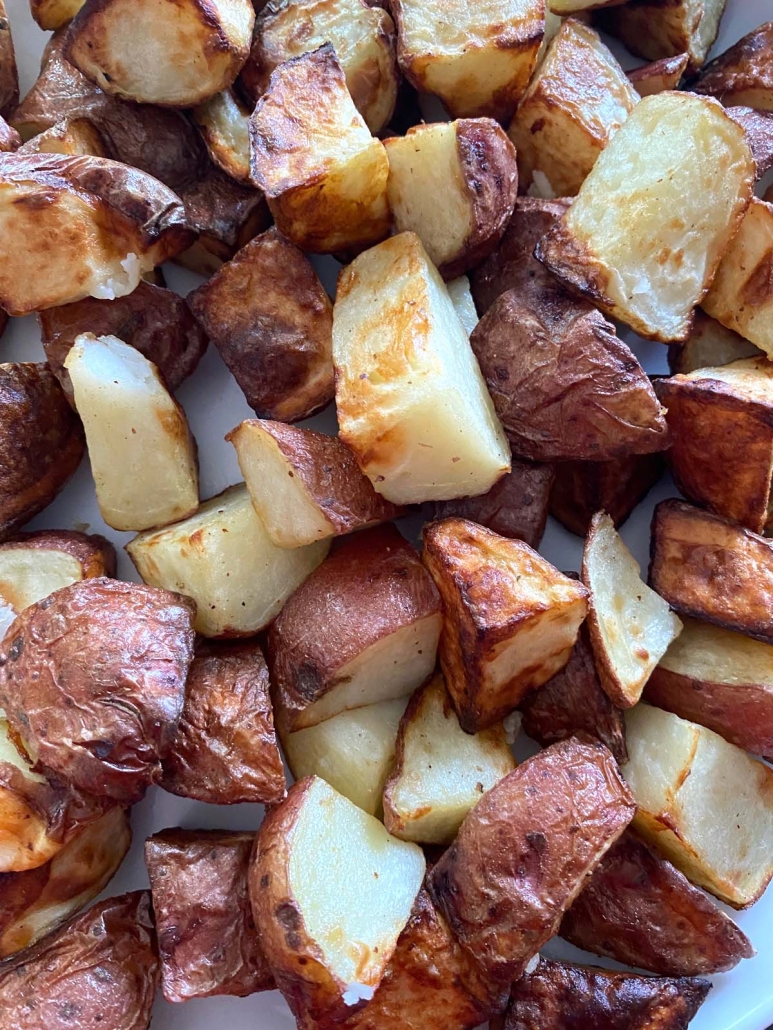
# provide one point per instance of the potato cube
(224, 124)
(709, 345)
(658, 76)
(581, 488)
(77, 137)
(742, 75)
(53, 14)
(653, 31)
(34, 565)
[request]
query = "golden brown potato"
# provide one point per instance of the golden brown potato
(743, 73)
(92, 681)
(659, 76)
(523, 853)
(510, 618)
(100, 968)
(34, 565)
(41, 442)
(10, 140)
(363, 628)
(477, 58)
(9, 79)
(224, 124)
(471, 163)
(626, 258)
(653, 31)
(305, 485)
(581, 488)
(576, 101)
(362, 33)
(758, 126)
(323, 174)
(711, 569)
(224, 750)
(53, 14)
(639, 909)
(206, 935)
(76, 137)
(709, 345)
(269, 317)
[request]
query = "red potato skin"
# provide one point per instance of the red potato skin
(9, 79)
(10, 140)
(758, 126)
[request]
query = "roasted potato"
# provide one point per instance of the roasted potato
(175, 56)
(41, 442)
(618, 250)
(523, 853)
(576, 101)
(223, 558)
(92, 681)
(207, 939)
(224, 124)
(34, 565)
(9, 79)
(461, 297)
(331, 892)
(652, 30)
(363, 628)
(269, 317)
(323, 174)
(659, 76)
(100, 968)
(76, 137)
(472, 164)
(53, 14)
(305, 485)
(581, 488)
(10, 140)
(710, 345)
(477, 58)
(410, 398)
(758, 127)
(742, 74)
(224, 750)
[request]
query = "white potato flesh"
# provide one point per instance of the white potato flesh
(412, 403)
(225, 125)
(461, 298)
(24, 840)
(28, 574)
(714, 655)
(749, 378)
(141, 451)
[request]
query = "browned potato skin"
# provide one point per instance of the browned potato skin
(100, 969)
(758, 126)
(41, 442)
(9, 79)
(94, 554)
(742, 74)
(206, 935)
(659, 75)
(10, 140)
(706, 567)
(279, 347)
(225, 749)
(154, 320)
(96, 640)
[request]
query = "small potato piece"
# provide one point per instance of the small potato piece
(659, 76)
(206, 935)
(613, 244)
(441, 771)
(523, 853)
(472, 164)
(461, 297)
(225, 750)
(10, 141)
(710, 345)
(34, 565)
(331, 892)
(142, 453)
(581, 488)
(305, 485)
(323, 174)
(76, 137)
(510, 618)
(652, 30)
(101, 966)
(224, 124)
(703, 803)
(742, 74)
(268, 315)
(223, 558)
(576, 101)
(9, 79)
(758, 127)
(363, 628)
(53, 14)
(477, 58)
(410, 398)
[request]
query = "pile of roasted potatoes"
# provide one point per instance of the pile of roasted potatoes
(411, 874)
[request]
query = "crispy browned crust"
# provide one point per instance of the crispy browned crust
(225, 749)
(100, 969)
(639, 909)
(572, 263)
(92, 679)
(272, 322)
(658, 28)
(741, 73)
(10, 139)
(758, 126)
(659, 75)
(9, 79)
(206, 935)
(559, 996)
(523, 853)
(41, 442)
(94, 554)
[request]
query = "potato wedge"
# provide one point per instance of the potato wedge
(207, 939)
(76, 137)
(41, 442)
(472, 164)
(224, 124)
(9, 79)
(328, 937)
(510, 618)
(503, 885)
(34, 565)
(10, 141)
(703, 803)
(758, 127)
(576, 101)
(410, 398)
(742, 74)
(142, 453)
(581, 488)
(710, 345)
(269, 317)
(323, 174)
(53, 14)
(224, 750)
(613, 245)
(477, 58)
(683, 27)
(659, 76)
(363, 628)
(223, 558)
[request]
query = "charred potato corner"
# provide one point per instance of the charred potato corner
(379, 565)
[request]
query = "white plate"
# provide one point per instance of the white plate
(740, 1000)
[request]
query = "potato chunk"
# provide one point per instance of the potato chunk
(658, 76)
(652, 31)
(710, 345)
(510, 618)
(613, 244)
(702, 802)
(742, 75)
(224, 124)
(223, 558)
(472, 164)
(76, 137)
(461, 297)
(9, 79)
(411, 401)
(34, 565)
(53, 14)
(581, 488)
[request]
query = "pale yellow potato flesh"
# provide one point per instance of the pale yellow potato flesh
(461, 298)
(28, 574)
(716, 655)
(224, 123)
(24, 840)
